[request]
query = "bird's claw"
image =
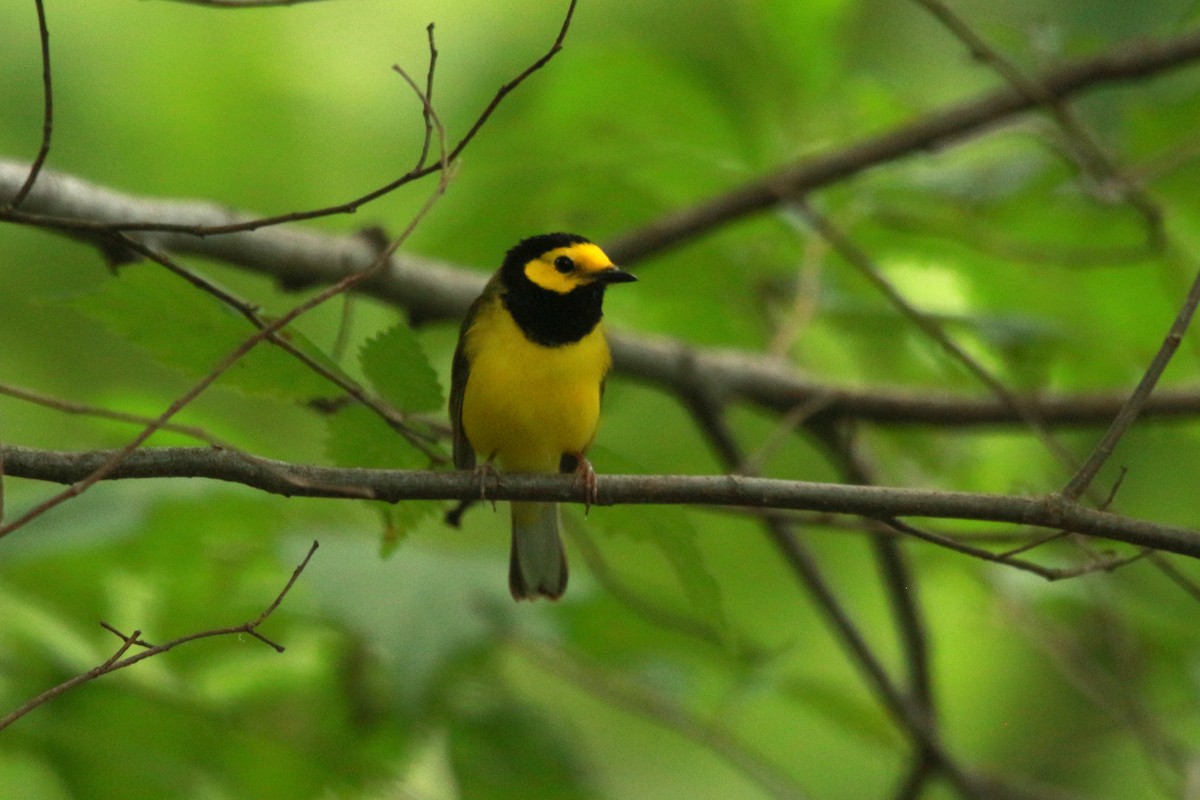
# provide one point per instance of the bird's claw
(484, 471)
(585, 476)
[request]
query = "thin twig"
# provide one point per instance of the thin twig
(351, 206)
(1129, 412)
(115, 460)
(119, 660)
(1128, 61)
(426, 110)
(394, 418)
(68, 407)
(47, 111)
(1087, 147)
(859, 259)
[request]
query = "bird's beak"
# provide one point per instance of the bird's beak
(614, 274)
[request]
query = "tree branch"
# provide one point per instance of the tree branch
(1129, 61)
(299, 480)
(119, 660)
(47, 111)
(435, 290)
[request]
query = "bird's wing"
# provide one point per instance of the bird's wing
(460, 370)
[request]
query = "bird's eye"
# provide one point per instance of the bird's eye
(564, 264)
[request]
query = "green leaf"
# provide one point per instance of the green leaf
(187, 330)
(672, 533)
(399, 370)
(400, 519)
(358, 437)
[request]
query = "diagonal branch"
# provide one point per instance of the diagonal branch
(1096, 158)
(912, 711)
(1128, 61)
(422, 170)
(435, 290)
(118, 660)
(1138, 400)
(69, 407)
(47, 111)
(934, 331)
(1088, 148)
(116, 458)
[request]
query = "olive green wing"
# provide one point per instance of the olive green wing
(460, 370)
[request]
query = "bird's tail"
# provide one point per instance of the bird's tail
(537, 566)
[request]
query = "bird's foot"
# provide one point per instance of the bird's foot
(483, 472)
(585, 477)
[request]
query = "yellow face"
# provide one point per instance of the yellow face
(566, 268)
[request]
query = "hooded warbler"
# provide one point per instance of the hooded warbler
(526, 382)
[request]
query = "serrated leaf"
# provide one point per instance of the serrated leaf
(358, 437)
(399, 370)
(187, 330)
(400, 519)
(670, 531)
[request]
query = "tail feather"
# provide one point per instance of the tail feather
(537, 565)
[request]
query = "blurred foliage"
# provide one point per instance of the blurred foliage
(412, 676)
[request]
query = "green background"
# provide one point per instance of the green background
(412, 674)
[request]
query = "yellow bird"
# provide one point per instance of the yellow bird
(526, 382)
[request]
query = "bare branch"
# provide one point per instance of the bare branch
(876, 502)
(119, 660)
(47, 111)
(1129, 61)
(1086, 147)
(146, 224)
(866, 267)
(434, 290)
(68, 407)
(1130, 411)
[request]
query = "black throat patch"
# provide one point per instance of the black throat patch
(552, 319)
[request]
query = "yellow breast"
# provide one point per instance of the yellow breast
(527, 404)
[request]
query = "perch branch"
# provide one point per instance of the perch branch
(876, 502)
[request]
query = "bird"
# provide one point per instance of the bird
(526, 381)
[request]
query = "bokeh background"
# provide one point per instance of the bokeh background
(409, 672)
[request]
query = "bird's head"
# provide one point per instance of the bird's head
(560, 263)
